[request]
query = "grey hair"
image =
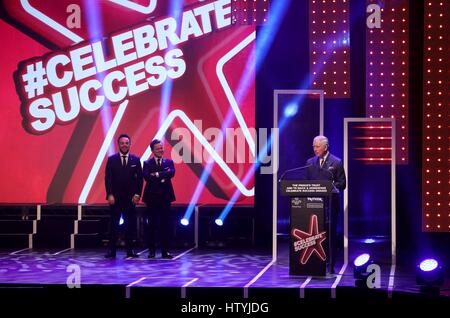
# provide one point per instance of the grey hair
(323, 140)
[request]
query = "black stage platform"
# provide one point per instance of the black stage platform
(195, 276)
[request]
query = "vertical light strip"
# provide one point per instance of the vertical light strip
(329, 46)
(436, 114)
(387, 70)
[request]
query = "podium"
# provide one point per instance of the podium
(309, 226)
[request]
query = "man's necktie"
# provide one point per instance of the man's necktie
(321, 162)
(124, 161)
(159, 161)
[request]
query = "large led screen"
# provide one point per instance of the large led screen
(76, 74)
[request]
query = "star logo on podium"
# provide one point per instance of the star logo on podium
(310, 242)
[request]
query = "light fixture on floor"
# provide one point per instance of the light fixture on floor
(429, 276)
(363, 268)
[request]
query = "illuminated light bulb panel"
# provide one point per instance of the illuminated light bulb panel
(329, 43)
(436, 114)
(387, 70)
(372, 142)
(249, 12)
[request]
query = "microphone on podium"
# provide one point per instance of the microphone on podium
(291, 170)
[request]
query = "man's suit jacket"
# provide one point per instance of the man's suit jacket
(123, 182)
(158, 189)
(332, 169)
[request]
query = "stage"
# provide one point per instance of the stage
(193, 276)
(274, 138)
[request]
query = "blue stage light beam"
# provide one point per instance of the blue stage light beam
(241, 92)
(291, 110)
(308, 80)
(265, 38)
(224, 213)
(226, 123)
(95, 30)
(267, 32)
(175, 10)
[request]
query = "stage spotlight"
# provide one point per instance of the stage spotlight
(360, 272)
(361, 262)
(369, 241)
(290, 110)
(121, 220)
(429, 276)
(219, 222)
(184, 221)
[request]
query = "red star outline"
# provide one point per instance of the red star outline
(63, 186)
(317, 247)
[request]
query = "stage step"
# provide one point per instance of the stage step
(17, 212)
(16, 226)
(54, 231)
(70, 211)
(55, 225)
(12, 240)
(92, 226)
(88, 240)
(51, 240)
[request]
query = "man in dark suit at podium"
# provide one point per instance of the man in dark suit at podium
(158, 196)
(325, 166)
(123, 181)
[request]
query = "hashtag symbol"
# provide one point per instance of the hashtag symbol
(34, 79)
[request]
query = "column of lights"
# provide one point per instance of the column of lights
(247, 12)
(435, 128)
(329, 45)
(387, 70)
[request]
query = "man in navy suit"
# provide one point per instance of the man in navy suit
(123, 181)
(325, 166)
(158, 196)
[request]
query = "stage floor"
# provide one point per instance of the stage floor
(192, 274)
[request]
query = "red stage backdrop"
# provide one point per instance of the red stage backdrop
(75, 74)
